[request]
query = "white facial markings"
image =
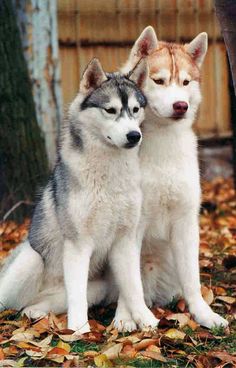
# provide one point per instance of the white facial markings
(184, 76)
(173, 66)
(133, 105)
(113, 108)
(115, 127)
(162, 74)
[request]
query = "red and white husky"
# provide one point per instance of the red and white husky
(169, 229)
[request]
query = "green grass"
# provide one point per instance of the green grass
(82, 346)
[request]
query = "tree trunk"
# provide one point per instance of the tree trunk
(37, 21)
(23, 162)
(226, 13)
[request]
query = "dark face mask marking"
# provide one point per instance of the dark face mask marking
(115, 85)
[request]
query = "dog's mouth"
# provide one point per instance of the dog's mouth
(178, 117)
(130, 145)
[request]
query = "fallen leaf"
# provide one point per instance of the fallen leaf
(226, 299)
(223, 356)
(63, 345)
(96, 326)
(181, 305)
(90, 353)
(8, 363)
(192, 324)
(113, 351)
(206, 263)
(207, 295)
(154, 355)
(42, 325)
(69, 338)
(128, 351)
(175, 334)
(131, 338)
(57, 351)
(182, 318)
(153, 348)
(2, 356)
(21, 336)
(102, 361)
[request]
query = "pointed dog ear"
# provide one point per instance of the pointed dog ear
(139, 73)
(93, 77)
(145, 44)
(197, 48)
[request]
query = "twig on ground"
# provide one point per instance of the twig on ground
(15, 207)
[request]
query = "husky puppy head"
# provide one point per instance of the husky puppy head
(110, 107)
(173, 87)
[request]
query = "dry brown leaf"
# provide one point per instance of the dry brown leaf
(90, 353)
(144, 344)
(128, 351)
(153, 355)
(42, 325)
(64, 345)
(21, 336)
(43, 343)
(113, 351)
(193, 325)
(172, 333)
(207, 295)
(130, 339)
(58, 358)
(226, 299)
(206, 263)
(223, 356)
(153, 348)
(205, 249)
(10, 351)
(102, 361)
(2, 356)
(70, 338)
(181, 305)
(57, 351)
(36, 355)
(182, 318)
(8, 363)
(218, 290)
(96, 326)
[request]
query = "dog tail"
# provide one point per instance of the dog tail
(20, 277)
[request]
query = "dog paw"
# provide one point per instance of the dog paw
(205, 316)
(211, 320)
(145, 319)
(84, 328)
(126, 324)
(33, 312)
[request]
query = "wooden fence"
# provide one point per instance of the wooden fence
(108, 28)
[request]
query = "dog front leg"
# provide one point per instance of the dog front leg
(125, 263)
(185, 249)
(76, 267)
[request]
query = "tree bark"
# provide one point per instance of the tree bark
(37, 22)
(23, 161)
(226, 13)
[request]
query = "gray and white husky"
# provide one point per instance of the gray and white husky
(89, 210)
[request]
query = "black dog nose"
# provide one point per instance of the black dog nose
(133, 137)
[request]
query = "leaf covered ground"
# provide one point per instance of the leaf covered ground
(178, 342)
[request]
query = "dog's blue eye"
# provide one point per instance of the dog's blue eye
(111, 110)
(135, 109)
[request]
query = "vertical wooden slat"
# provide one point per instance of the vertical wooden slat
(69, 73)
(107, 29)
